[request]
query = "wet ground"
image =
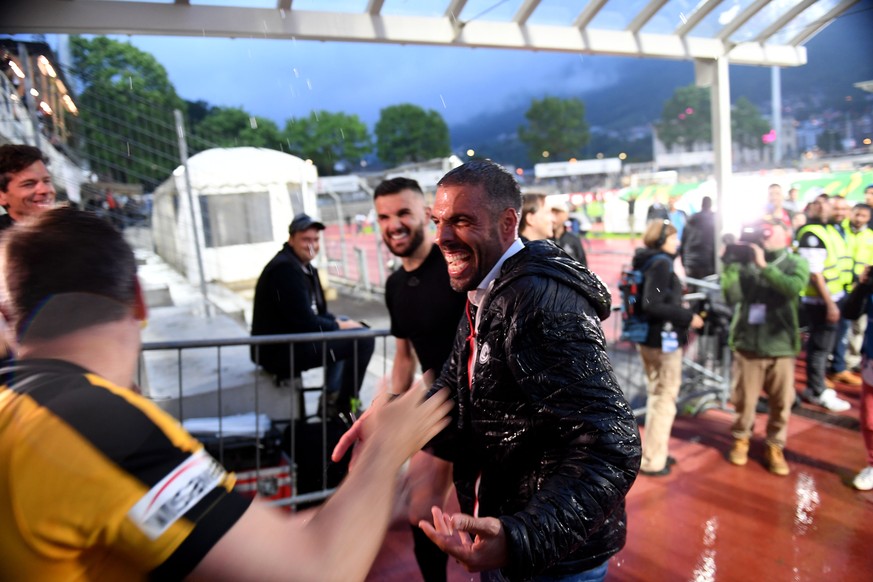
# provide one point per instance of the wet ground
(711, 521)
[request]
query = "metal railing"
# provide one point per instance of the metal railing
(283, 405)
(266, 449)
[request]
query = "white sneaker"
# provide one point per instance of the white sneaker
(864, 480)
(831, 401)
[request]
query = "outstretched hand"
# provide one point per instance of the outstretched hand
(356, 431)
(351, 436)
(486, 550)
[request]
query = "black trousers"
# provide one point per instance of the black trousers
(820, 344)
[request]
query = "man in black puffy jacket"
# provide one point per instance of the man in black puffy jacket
(544, 444)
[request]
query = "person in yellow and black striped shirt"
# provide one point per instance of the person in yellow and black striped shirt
(96, 482)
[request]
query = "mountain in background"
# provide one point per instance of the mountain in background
(837, 58)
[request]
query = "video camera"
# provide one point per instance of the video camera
(741, 251)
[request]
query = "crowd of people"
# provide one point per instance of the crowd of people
(789, 276)
(501, 391)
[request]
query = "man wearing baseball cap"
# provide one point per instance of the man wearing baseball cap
(289, 299)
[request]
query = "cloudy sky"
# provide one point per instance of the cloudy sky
(281, 79)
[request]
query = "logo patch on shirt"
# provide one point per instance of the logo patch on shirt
(176, 493)
(484, 353)
(812, 241)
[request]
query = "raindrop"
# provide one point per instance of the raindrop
(253, 122)
(296, 72)
(128, 149)
(342, 134)
(130, 82)
(309, 84)
(683, 18)
(282, 13)
(443, 100)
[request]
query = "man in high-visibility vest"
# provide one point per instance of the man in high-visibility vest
(860, 240)
(838, 371)
(824, 250)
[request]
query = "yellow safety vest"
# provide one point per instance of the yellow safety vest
(837, 271)
(860, 248)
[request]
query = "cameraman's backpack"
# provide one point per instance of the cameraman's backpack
(634, 323)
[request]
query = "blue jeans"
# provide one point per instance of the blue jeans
(597, 574)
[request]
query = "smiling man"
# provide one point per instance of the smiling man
(25, 184)
(544, 445)
(424, 318)
(289, 299)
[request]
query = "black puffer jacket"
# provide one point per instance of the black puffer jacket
(546, 425)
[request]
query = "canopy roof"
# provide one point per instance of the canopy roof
(752, 32)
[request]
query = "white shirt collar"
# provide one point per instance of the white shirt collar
(477, 295)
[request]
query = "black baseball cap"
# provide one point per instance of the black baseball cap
(304, 222)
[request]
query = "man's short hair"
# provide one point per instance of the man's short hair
(63, 271)
(657, 232)
(863, 206)
(499, 185)
(395, 186)
(530, 204)
(16, 157)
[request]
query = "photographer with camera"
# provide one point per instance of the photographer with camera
(764, 279)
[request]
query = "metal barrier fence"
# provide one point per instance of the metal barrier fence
(277, 409)
(265, 458)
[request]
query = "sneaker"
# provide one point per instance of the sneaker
(829, 400)
(846, 377)
(739, 453)
(864, 480)
(775, 460)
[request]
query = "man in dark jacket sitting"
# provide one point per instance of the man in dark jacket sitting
(289, 299)
(544, 444)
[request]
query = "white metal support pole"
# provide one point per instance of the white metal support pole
(183, 155)
(714, 74)
(776, 95)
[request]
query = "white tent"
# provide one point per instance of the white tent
(244, 199)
